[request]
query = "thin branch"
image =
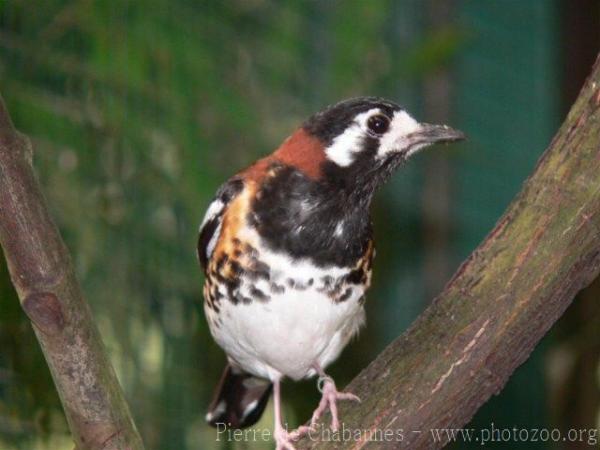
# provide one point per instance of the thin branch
(496, 308)
(43, 275)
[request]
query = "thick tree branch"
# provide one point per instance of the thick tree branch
(500, 303)
(43, 275)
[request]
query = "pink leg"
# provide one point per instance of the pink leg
(329, 400)
(283, 438)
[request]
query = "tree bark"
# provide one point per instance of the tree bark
(459, 352)
(496, 308)
(43, 275)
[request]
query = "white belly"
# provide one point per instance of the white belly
(286, 334)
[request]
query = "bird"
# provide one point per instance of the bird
(286, 247)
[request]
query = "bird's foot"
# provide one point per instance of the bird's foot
(329, 401)
(284, 439)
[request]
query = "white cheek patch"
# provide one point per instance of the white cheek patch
(394, 139)
(344, 147)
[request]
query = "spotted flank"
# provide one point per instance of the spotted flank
(256, 294)
(243, 276)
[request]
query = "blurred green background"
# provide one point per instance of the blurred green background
(138, 110)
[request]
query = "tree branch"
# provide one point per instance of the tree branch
(496, 308)
(43, 275)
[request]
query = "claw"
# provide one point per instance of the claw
(329, 401)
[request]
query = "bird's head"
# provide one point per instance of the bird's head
(356, 144)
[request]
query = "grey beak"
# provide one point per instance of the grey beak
(433, 134)
(428, 134)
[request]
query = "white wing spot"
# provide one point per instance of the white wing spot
(213, 240)
(214, 209)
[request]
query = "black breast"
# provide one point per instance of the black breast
(307, 218)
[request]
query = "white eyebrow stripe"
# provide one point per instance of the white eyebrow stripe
(342, 149)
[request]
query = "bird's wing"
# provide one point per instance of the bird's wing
(210, 228)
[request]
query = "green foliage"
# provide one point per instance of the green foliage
(138, 110)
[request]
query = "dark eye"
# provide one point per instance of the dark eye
(378, 124)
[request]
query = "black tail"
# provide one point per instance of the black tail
(239, 400)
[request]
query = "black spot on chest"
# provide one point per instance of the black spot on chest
(299, 216)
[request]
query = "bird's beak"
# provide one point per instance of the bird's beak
(433, 134)
(428, 134)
